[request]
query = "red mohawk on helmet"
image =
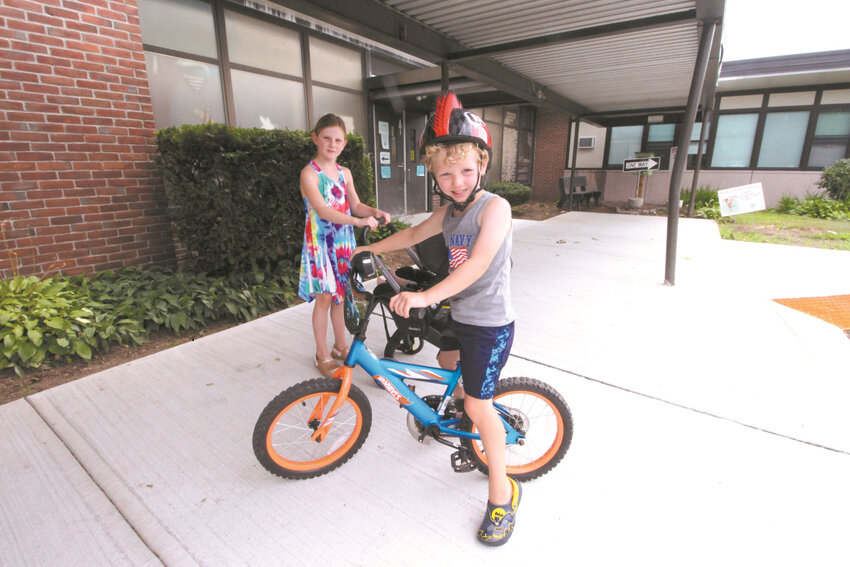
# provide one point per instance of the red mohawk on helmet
(450, 123)
(443, 113)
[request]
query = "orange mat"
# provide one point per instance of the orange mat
(833, 309)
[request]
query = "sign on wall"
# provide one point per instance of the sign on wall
(743, 199)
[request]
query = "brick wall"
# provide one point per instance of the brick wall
(550, 151)
(78, 188)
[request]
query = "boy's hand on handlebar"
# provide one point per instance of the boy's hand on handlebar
(403, 302)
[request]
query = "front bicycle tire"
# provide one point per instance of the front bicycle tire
(282, 437)
(540, 413)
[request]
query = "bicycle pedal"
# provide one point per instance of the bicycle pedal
(461, 462)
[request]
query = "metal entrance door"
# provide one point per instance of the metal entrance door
(399, 176)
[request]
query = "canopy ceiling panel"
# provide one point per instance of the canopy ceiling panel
(584, 57)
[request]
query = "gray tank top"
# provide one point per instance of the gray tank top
(487, 301)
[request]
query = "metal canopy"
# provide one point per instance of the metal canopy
(584, 57)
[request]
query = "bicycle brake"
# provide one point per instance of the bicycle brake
(461, 461)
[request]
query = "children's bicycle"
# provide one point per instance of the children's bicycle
(317, 425)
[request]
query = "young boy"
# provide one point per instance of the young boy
(476, 225)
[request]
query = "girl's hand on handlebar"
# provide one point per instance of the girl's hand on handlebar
(385, 216)
(403, 302)
(371, 222)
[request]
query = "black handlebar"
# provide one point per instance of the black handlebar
(370, 265)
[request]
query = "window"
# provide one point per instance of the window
(179, 25)
(693, 146)
(184, 91)
(659, 139)
(832, 135)
(733, 143)
(267, 74)
(661, 133)
(262, 101)
(495, 171)
(262, 45)
(783, 138)
(385, 66)
(493, 113)
(510, 137)
(525, 152)
(625, 143)
(335, 65)
(526, 117)
(348, 106)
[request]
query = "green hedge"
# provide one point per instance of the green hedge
(234, 194)
(513, 193)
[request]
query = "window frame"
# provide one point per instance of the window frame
(814, 110)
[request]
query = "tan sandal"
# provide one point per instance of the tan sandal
(340, 355)
(326, 366)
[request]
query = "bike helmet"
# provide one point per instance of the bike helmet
(451, 124)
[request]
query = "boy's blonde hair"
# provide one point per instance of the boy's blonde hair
(453, 153)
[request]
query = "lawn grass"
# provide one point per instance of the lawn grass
(778, 228)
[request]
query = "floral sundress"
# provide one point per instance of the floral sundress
(326, 253)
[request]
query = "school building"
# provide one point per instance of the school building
(565, 88)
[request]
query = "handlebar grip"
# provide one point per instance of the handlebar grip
(416, 314)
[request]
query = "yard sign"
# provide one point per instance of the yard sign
(744, 199)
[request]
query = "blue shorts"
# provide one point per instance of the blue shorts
(483, 353)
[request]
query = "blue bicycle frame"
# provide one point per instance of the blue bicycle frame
(391, 375)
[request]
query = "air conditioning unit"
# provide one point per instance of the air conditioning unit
(586, 142)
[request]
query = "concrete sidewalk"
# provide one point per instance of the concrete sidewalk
(711, 428)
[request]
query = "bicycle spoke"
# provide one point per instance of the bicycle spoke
(293, 431)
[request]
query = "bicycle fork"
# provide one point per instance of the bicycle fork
(342, 373)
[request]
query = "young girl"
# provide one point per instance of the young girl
(330, 200)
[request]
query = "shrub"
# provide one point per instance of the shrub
(815, 206)
(384, 231)
(513, 193)
(787, 204)
(708, 212)
(835, 179)
(52, 318)
(706, 203)
(234, 193)
(705, 197)
(57, 319)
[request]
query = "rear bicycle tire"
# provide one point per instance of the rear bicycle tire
(282, 435)
(539, 412)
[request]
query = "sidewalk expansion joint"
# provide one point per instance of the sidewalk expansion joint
(94, 478)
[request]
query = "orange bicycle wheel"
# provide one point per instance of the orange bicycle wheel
(283, 434)
(540, 413)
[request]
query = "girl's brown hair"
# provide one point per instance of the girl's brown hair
(327, 121)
